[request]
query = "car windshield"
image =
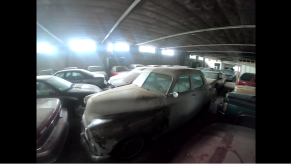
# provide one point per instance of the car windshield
(246, 76)
(158, 82)
(59, 83)
(228, 72)
(93, 69)
(121, 69)
(211, 75)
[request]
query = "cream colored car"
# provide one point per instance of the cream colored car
(116, 121)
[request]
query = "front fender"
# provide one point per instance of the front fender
(114, 128)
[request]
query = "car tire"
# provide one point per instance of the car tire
(205, 108)
(79, 110)
(129, 147)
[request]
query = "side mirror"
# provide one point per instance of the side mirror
(175, 94)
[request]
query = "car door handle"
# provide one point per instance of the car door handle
(193, 94)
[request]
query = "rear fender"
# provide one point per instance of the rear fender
(210, 95)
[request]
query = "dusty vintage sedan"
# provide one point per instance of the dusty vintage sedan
(215, 79)
(51, 129)
(158, 101)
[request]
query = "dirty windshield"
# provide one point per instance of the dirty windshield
(211, 75)
(158, 82)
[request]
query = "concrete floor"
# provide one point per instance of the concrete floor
(162, 150)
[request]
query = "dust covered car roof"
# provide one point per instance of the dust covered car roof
(173, 71)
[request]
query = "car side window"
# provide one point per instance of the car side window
(76, 76)
(197, 81)
(69, 76)
(182, 84)
(42, 89)
(60, 75)
(219, 75)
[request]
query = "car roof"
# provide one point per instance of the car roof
(67, 70)
(95, 66)
(47, 70)
(173, 71)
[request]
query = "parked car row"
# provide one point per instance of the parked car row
(144, 102)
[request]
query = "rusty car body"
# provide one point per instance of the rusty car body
(51, 129)
(158, 101)
(220, 143)
(215, 79)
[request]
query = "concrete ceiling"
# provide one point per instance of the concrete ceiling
(221, 29)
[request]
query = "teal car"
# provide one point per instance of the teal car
(238, 108)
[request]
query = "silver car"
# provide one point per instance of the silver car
(115, 122)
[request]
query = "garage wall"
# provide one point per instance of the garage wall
(64, 57)
(56, 60)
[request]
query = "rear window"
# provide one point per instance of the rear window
(246, 76)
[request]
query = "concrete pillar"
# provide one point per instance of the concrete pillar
(222, 65)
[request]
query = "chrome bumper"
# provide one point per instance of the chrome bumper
(93, 157)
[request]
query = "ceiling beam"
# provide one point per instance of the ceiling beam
(211, 45)
(121, 18)
(202, 30)
(41, 26)
(226, 51)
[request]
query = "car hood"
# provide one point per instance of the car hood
(45, 110)
(84, 88)
(129, 98)
(210, 81)
(99, 73)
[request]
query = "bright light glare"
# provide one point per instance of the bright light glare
(118, 47)
(45, 48)
(206, 59)
(110, 47)
(121, 47)
(192, 56)
(82, 45)
(168, 52)
(200, 58)
(147, 49)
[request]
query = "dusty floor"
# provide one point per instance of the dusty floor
(159, 151)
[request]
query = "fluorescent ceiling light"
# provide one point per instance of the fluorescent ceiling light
(192, 56)
(110, 47)
(121, 47)
(147, 49)
(45, 48)
(200, 58)
(82, 45)
(168, 52)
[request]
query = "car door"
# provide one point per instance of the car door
(181, 107)
(199, 92)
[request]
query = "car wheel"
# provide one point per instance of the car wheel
(79, 110)
(129, 147)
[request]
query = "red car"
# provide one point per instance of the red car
(51, 129)
(116, 70)
(248, 79)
